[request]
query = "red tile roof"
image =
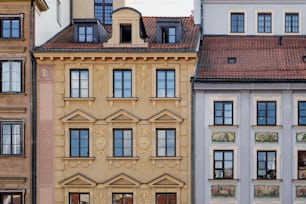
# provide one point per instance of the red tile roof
(258, 58)
(64, 39)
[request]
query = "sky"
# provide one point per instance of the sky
(164, 7)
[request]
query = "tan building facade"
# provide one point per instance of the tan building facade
(114, 111)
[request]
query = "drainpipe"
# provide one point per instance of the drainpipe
(33, 107)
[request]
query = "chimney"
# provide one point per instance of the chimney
(122, 3)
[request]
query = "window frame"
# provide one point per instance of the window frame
(11, 71)
(123, 94)
(223, 169)
(21, 137)
(265, 23)
(167, 195)
(123, 147)
(126, 33)
(266, 165)
(79, 83)
(291, 28)
(300, 115)
(88, 37)
(266, 113)
(10, 18)
(122, 196)
(12, 193)
(223, 113)
(166, 36)
(79, 195)
(165, 89)
(166, 142)
(103, 6)
(79, 143)
(236, 29)
(299, 162)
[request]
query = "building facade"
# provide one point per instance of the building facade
(114, 110)
(16, 112)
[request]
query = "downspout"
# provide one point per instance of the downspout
(33, 108)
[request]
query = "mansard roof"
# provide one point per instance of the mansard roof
(255, 58)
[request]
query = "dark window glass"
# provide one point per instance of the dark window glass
(85, 33)
(165, 143)
(11, 138)
(79, 143)
(168, 35)
(237, 22)
(264, 23)
(11, 198)
(302, 164)
(165, 80)
(266, 165)
(166, 198)
(223, 164)
(125, 33)
(123, 143)
(10, 28)
(122, 198)
(302, 113)
(292, 23)
(266, 113)
(79, 83)
(223, 113)
(11, 76)
(79, 198)
(103, 10)
(122, 84)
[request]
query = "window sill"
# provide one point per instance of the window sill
(122, 158)
(267, 180)
(79, 158)
(223, 126)
(267, 126)
(223, 180)
(175, 99)
(111, 100)
(170, 162)
(88, 99)
(166, 158)
(13, 93)
(21, 156)
(78, 161)
(298, 181)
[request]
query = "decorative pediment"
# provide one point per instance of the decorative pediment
(122, 116)
(122, 180)
(166, 181)
(77, 180)
(78, 116)
(165, 116)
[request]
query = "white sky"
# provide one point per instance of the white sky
(164, 7)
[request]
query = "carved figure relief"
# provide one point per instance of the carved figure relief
(99, 197)
(300, 191)
(266, 137)
(223, 190)
(144, 197)
(266, 191)
(301, 137)
(223, 136)
(100, 140)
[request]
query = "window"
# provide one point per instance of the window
(223, 113)
(169, 35)
(103, 10)
(11, 80)
(237, 22)
(223, 164)
(11, 138)
(122, 85)
(122, 198)
(266, 113)
(11, 198)
(10, 27)
(85, 34)
(302, 112)
(123, 143)
(165, 198)
(264, 23)
(125, 33)
(58, 11)
(165, 143)
(79, 143)
(302, 164)
(291, 22)
(266, 165)
(165, 81)
(79, 198)
(79, 83)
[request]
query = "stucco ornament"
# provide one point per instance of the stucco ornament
(223, 190)
(100, 140)
(223, 136)
(99, 197)
(300, 191)
(266, 191)
(301, 136)
(144, 77)
(266, 137)
(144, 197)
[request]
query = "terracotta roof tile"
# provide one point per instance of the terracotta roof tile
(257, 58)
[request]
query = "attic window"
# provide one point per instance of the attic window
(85, 33)
(231, 60)
(169, 35)
(125, 33)
(304, 58)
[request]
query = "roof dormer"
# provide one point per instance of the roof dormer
(127, 29)
(169, 30)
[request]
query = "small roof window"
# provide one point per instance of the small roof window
(304, 58)
(231, 60)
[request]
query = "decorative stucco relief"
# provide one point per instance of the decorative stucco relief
(100, 140)
(100, 70)
(301, 137)
(144, 77)
(144, 140)
(223, 136)
(223, 190)
(269, 191)
(99, 197)
(129, 163)
(144, 197)
(161, 163)
(266, 137)
(74, 163)
(300, 191)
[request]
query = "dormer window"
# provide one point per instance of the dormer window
(125, 33)
(169, 35)
(88, 31)
(169, 30)
(85, 33)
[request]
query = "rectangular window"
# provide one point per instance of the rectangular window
(264, 23)
(79, 83)
(165, 143)
(79, 198)
(223, 113)
(11, 198)
(11, 138)
(10, 27)
(291, 22)
(237, 22)
(79, 143)
(165, 81)
(122, 85)
(166, 198)
(85, 33)
(302, 165)
(168, 35)
(266, 165)
(125, 33)
(302, 113)
(123, 143)
(266, 113)
(103, 10)
(11, 76)
(122, 198)
(223, 164)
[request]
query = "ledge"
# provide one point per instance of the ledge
(223, 180)
(299, 181)
(123, 158)
(122, 99)
(79, 99)
(13, 93)
(267, 126)
(79, 158)
(267, 180)
(223, 126)
(12, 109)
(166, 158)
(165, 98)
(12, 49)
(6, 180)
